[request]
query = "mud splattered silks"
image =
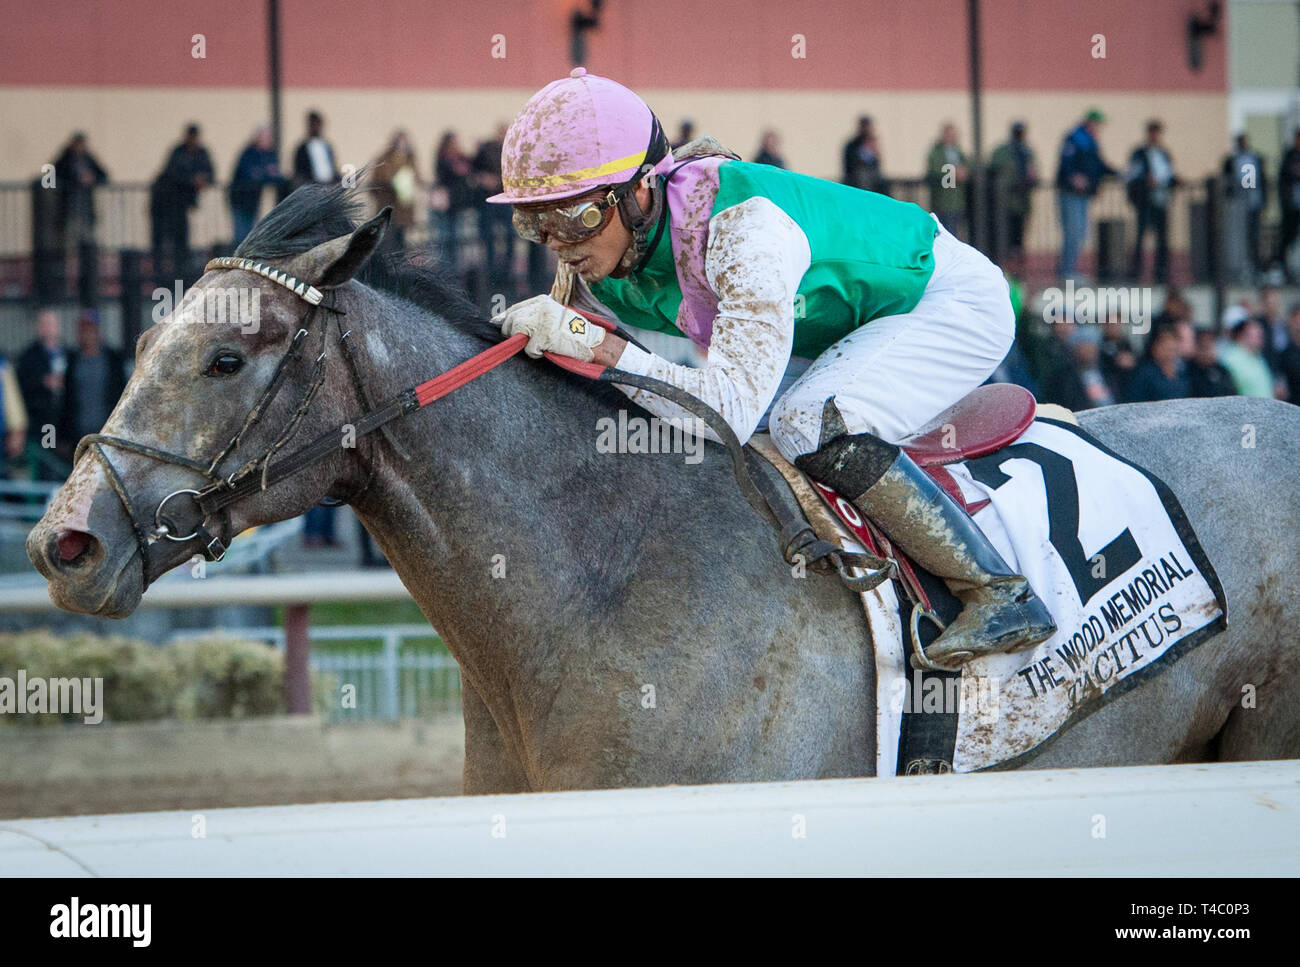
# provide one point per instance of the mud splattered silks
(1108, 548)
(868, 255)
(759, 264)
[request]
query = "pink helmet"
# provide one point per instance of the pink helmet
(576, 134)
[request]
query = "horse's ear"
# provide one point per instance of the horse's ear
(338, 260)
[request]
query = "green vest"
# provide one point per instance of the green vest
(872, 256)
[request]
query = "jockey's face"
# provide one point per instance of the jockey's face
(597, 257)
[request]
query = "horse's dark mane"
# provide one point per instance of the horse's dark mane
(314, 214)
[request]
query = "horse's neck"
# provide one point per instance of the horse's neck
(510, 530)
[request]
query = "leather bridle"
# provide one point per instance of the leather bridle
(213, 501)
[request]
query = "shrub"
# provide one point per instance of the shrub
(227, 678)
(214, 677)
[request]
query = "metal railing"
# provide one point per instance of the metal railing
(29, 218)
(1192, 225)
(123, 222)
(391, 683)
(23, 502)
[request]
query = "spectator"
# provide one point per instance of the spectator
(95, 380)
(1289, 362)
(313, 161)
(1096, 389)
(319, 526)
(1162, 374)
(13, 417)
(367, 554)
(1288, 188)
(1151, 180)
(174, 192)
(1176, 308)
(77, 173)
(1246, 186)
(862, 158)
(685, 133)
(396, 183)
(1061, 382)
(1016, 366)
(452, 173)
(1206, 376)
(1243, 309)
(1243, 357)
(945, 172)
(769, 149)
(1078, 175)
(1273, 320)
(494, 221)
(256, 168)
(1014, 176)
(41, 372)
(1116, 357)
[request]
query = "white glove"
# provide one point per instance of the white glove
(551, 327)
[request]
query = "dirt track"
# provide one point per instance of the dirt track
(134, 795)
(114, 769)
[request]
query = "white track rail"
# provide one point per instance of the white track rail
(1223, 819)
(185, 592)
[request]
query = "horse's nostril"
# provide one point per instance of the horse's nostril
(73, 546)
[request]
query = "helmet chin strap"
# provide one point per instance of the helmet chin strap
(640, 223)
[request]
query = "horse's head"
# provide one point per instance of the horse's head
(219, 386)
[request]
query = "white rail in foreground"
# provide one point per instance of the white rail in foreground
(1223, 819)
(187, 592)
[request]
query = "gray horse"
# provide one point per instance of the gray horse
(625, 619)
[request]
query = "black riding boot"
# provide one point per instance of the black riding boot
(1001, 612)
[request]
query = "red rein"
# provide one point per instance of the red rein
(476, 366)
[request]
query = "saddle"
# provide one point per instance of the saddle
(814, 518)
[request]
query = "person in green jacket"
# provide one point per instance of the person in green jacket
(946, 174)
(1243, 358)
(1013, 175)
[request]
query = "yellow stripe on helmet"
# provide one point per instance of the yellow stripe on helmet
(582, 174)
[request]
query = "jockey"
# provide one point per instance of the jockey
(762, 268)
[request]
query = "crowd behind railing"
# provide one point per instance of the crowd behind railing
(51, 393)
(72, 210)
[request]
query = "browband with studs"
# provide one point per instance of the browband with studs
(310, 293)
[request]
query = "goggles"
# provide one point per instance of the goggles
(569, 225)
(578, 222)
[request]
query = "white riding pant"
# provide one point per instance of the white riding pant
(896, 373)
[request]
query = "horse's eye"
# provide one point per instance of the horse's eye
(225, 364)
